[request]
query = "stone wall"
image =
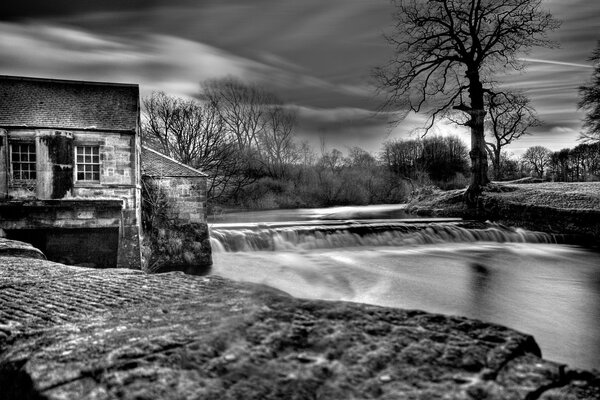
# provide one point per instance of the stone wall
(65, 214)
(176, 235)
(117, 155)
(186, 197)
(75, 232)
(56, 180)
(584, 223)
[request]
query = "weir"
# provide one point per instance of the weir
(305, 235)
(523, 279)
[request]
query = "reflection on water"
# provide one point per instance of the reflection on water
(548, 290)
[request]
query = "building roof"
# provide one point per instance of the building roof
(63, 104)
(156, 164)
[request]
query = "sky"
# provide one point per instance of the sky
(316, 55)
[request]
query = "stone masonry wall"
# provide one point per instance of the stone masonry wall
(186, 197)
(119, 174)
(176, 236)
(56, 176)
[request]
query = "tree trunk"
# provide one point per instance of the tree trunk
(478, 154)
(497, 162)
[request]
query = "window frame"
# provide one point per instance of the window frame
(21, 142)
(77, 163)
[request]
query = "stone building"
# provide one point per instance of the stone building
(176, 234)
(70, 169)
(183, 186)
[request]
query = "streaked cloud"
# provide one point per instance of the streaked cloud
(317, 55)
(567, 64)
(157, 62)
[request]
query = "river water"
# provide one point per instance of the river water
(523, 280)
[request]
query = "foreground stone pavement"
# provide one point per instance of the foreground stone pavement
(78, 333)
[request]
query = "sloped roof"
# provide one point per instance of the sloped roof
(62, 104)
(156, 164)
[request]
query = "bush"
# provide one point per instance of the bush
(459, 181)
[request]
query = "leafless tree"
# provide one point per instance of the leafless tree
(590, 101)
(538, 158)
(445, 55)
(242, 107)
(277, 148)
(509, 117)
(581, 163)
(186, 130)
(444, 157)
(307, 155)
(360, 158)
(332, 161)
(402, 157)
(193, 133)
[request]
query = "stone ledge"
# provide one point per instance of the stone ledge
(15, 248)
(65, 203)
(68, 332)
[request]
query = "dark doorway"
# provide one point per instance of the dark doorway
(95, 248)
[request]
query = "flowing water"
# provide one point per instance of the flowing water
(529, 281)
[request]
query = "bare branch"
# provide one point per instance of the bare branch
(446, 49)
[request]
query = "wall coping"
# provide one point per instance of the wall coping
(69, 203)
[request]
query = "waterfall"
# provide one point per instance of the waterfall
(319, 235)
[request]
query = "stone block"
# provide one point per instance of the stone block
(196, 218)
(84, 214)
(65, 214)
(129, 217)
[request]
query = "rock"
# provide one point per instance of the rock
(178, 247)
(15, 248)
(72, 332)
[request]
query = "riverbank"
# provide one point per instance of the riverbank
(72, 332)
(552, 207)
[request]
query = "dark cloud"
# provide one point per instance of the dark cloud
(11, 10)
(315, 54)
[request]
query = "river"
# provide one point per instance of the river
(373, 254)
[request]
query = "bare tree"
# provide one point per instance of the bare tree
(590, 101)
(307, 155)
(241, 106)
(444, 157)
(194, 134)
(277, 147)
(402, 157)
(186, 130)
(509, 166)
(332, 161)
(538, 158)
(261, 125)
(445, 53)
(360, 158)
(509, 117)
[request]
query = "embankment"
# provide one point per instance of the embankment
(79, 333)
(564, 208)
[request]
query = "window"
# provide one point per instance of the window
(88, 163)
(22, 158)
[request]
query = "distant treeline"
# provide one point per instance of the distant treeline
(579, 164)
(400, 170)
(244, 139)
